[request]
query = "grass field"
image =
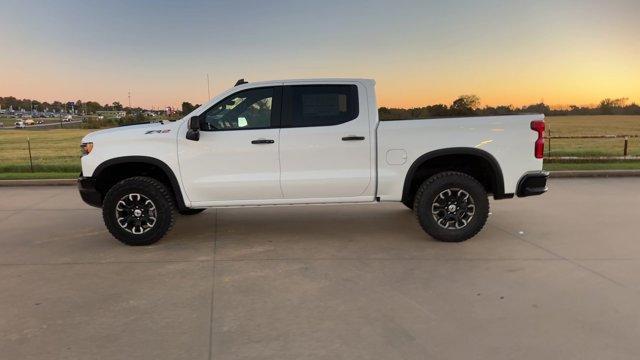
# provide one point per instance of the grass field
(38, 175)
(56, 152)
(614, 165)
(593, 125)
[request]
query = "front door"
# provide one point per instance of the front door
(237, 157)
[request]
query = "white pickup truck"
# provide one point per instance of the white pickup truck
(309, 142)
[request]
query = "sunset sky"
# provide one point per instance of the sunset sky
(420, 52)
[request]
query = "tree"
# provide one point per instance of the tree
(93, 107)
(611, 106)
(116, 106)
(35, 105)
(187, 107)
(393, 114)
(465, 105)
(540, 108)
(438, 110)
(57, 105)
(633, 109)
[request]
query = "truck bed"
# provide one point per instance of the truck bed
(508, 139)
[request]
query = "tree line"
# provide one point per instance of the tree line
(469, 105)
(88, 107)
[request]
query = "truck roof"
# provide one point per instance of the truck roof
(310, 81)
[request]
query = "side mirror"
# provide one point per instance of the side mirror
(193, 132)
(194, 123)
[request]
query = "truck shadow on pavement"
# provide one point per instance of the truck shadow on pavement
(343, 232)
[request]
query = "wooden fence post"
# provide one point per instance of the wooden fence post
(549, 151)
(626, 146)
(30, 159)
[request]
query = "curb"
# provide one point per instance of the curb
(553, 174)
(43, 182)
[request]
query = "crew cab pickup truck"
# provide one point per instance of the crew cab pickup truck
(309, 142)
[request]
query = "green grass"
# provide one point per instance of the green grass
(592, 125)
(37, 175)
(55, 150)
(628, 165)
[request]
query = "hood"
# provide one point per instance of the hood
(130, 130)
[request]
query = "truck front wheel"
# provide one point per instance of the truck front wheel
(138, 211)
(451, 206)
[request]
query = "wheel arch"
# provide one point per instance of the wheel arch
(474, 162)
(113, 170)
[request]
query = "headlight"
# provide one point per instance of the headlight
(86, 148)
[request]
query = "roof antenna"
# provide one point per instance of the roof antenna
(240, 82)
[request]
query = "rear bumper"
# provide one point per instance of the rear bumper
(88, 192)
(533, 184)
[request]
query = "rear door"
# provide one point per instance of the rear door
(325, 144)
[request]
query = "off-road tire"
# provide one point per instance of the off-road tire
(433, 187)
(149, 188)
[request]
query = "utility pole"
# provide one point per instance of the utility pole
(208, 89)
(129, 96)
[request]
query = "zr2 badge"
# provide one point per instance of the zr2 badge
(157, 131)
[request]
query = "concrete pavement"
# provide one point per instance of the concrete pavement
(556, 276)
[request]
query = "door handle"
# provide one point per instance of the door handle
(262, 141)
(353, 138)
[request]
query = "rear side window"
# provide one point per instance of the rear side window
(320, 105)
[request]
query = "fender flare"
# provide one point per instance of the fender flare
(175, 185)
(497, 184)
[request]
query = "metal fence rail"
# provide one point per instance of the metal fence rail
(625, 151)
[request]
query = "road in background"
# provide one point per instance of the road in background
(555, 276)
(43, 126)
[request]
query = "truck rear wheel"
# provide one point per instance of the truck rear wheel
(138, 211)
(451, 206)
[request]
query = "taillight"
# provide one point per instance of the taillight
(538, 126)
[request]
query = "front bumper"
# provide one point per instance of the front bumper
(88, 192)
(533, 184)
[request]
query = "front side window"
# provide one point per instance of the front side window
(249, 109)
(322, 105)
